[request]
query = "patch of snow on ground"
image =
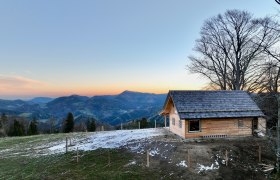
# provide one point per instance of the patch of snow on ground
(136, 148)
(131, 163)
(139, 146)
(216, 163)
(202, 168)
(182, 164)
(57, 147)
(109, 139)
(154, 152)
(261, 134)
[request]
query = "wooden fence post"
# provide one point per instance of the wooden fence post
(109, 158)
(66, 145)
(121, 126)
(260, 154)
(226, 158)
(155, 123)
(189, 158)
(77, 155)
(102, 128)
(148, 159)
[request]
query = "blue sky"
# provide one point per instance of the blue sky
(62, 47)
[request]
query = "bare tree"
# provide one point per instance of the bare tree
(230, 49)
(273, 68)
(271, 79)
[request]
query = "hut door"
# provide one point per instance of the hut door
(255, 124)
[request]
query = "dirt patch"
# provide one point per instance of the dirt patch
(175, 158)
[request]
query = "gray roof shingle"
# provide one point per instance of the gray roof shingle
(214, 104)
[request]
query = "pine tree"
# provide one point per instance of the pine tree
(33, 127)
(3, 120)
(144, 123)
(69, 123)
(3, 124)
(17, 129)
(91, 125)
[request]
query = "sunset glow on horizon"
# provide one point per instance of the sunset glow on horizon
(32, 88)
(59, 48)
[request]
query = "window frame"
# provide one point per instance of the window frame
(189, 127)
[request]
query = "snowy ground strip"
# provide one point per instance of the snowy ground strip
(133, 140)
(110, 139)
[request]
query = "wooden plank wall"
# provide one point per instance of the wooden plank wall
(227, 127)
(175, 128)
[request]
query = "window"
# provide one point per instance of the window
(180, 124)
(194, 125)
(173, 121)
(240, 123)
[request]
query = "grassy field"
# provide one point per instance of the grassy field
(30, 145)
(18, 162)
(92, 165)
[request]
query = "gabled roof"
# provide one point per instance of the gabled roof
(213, 104)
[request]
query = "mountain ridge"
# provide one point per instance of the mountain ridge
(111, 109)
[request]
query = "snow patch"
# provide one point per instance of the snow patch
(130, 163)
(182, 164)
(216, 163)
(110, 140)
(202, 168)
(261, 134)
(154, 152)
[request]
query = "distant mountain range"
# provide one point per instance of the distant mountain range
(41, 100)
(111, 109)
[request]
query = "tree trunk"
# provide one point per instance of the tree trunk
(278, 133)
(278, 100)
(238, 75)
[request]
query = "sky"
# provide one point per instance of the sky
(95, 47)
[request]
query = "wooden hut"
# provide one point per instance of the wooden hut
(203, 114)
